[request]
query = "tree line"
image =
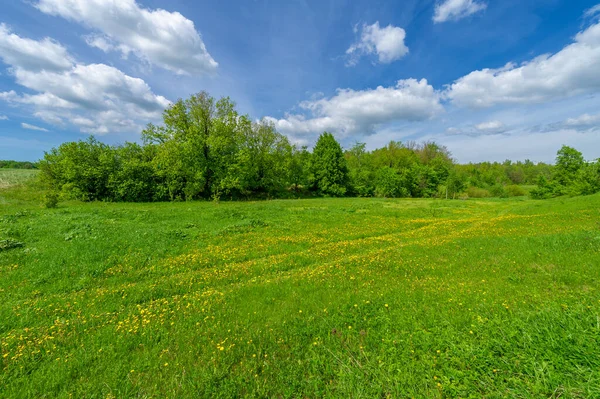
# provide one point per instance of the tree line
(17, 165)
(205, 149)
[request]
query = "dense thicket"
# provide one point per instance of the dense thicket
(17, 165)
(571, 175)
(205, 150)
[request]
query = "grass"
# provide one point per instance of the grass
(14, 177)
(359, 298)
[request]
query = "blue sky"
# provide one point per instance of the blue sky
(490, 79)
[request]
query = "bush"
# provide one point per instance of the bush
(389, 184)
(545, 189)
(498, 191)
(515, 191)
(476, 192)
(51, 200)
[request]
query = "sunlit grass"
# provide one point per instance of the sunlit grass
(306, 298)
(13, 177)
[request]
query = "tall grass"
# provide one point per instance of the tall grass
(13, 177)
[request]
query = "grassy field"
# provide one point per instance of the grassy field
(361, 298)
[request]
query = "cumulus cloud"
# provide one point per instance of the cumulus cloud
(31, 54)
(33, 127)
(387, 43)
(453, 10)
(571, 71)
(3, 118)
(96, 98)
(166, 39)
(360, 112)
(94, 87)
(41, 100)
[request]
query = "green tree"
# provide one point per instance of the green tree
(360, 168)
(328, 169)
(183, 162)
(456, 182)
(390, 183)
(297, 168)
(545, 189)
(569, 163)
(589, 179)
(133, 178)
(81, 170)
(265, 155)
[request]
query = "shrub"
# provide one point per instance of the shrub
(545, 189)
(389, 184)
(476, 192)
(499, 191)
(515, 191)
(51, 200)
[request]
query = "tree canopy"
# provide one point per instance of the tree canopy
(204, 149)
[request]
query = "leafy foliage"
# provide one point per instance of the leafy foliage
(572, 176)
(328, 168)
(17, 165)
(205, 149)
(51, 200)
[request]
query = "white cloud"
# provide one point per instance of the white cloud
(491, 126)
(102, 42)
(94, 87)
(41, 100)
(96, 98)
(50, 117)
(571, 71)
(387, 43)
(582, 123)
(592, 12)
(453, 10)
(33, 127)
(352, 112)
(585, 120)
(485, 128)
(31, 54)
(3, 118)
(166, 39)
(519, 145)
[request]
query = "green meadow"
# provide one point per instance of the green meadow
(338, 298)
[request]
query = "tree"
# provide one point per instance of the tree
(360, 168)
(328, 169)
(589, 179)
(456, 182)
(389, 183)
(544, 190)
(183, 162)
(297, 168)
(569, 163)
(266, 154)
(80, 169)
(133, 180)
